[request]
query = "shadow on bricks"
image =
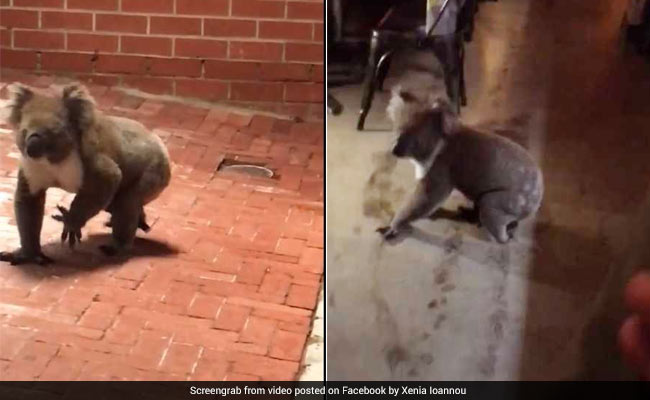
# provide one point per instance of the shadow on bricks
(87, 257)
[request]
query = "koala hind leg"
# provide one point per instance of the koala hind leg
(127, 213)
(142, 223)
(500, 223)
(125, 218)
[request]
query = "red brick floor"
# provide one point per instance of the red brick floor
(225, 284)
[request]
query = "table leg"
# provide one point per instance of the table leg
(337, 10)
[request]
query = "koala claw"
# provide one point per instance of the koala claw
(510, 229)
(70, 233)
(387, 232)
(109, 250)
(19, 257)
(142, 224)
(471, 215)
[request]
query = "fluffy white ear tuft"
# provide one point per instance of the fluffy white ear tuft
(17, 89)
(395, 107)
(403, 105)
(80, 107)
(449, 118)
(77, 91)
(19, 95)
(405, 94)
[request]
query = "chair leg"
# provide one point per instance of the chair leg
(467, 19)
(468, 35)
(463, 89)
(382, 69)
(455, 85)
(645, 40)
(452, 82)
(369, 82)
(334, 107)
(447, 52)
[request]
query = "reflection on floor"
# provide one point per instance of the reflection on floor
(445, 302)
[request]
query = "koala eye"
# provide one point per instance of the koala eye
(24, 132)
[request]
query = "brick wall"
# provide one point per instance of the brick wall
(268, 53)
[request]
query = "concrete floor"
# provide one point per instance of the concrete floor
(445, 303)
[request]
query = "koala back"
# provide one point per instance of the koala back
(481, 162)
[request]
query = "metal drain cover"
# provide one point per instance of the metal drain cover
(248, 169)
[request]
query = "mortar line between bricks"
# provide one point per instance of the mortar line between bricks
(171, 56)
(171, 14)
(85, 309)
(115, 319)
(245, 39)
(229, 369)
(202, 104)
(47, 364)
(196, 362)
(148, 269)
(164, 353)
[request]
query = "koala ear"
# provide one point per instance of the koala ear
(399, 109)
(448, 117)
(403, 94)
(79, 107)
(19, 95)
(408, 97)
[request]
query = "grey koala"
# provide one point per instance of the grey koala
(498, 175)
(111, 163)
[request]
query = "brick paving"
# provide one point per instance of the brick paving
(223, 287)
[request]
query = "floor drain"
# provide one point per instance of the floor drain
(249, 169)
(230, 165)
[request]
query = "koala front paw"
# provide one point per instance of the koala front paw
(471, 215)
(510, 229)
(19, 257)
(387, 232)
(71, 230)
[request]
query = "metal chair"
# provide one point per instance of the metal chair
(449, 49)
(334, 106)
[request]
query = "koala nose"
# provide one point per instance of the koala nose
(34, 146)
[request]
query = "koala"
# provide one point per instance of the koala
(498, 175)
(110, 163)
